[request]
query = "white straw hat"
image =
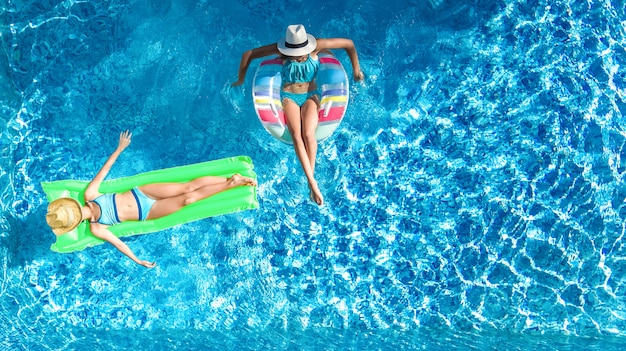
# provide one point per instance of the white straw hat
(63, 215)
(296, 41)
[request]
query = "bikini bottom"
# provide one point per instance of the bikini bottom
(300, 98)
(144, 203)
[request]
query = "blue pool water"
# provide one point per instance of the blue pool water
(475, 194)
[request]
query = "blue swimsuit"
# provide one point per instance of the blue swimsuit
(108, 209)
(299, 72)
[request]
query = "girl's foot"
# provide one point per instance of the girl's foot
(316, 194)
(238, 180)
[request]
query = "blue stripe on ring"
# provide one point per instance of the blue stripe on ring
(138, 203)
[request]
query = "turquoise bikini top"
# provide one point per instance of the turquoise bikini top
(300, 72)
(108, 210)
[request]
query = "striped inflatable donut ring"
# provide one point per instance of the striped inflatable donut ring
(331, 80)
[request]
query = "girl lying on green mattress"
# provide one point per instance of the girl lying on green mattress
(144, 202)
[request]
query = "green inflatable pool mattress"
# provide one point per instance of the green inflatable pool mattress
(233, 200)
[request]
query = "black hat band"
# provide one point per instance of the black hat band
(297, 46)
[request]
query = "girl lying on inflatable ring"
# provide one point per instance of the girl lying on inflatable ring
(299, 94)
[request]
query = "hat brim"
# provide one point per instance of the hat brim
(312, 44)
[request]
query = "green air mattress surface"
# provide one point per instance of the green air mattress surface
(232, 200)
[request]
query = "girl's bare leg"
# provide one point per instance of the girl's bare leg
(309, 125)
(166, 206)
(292, 112)
(165, 190)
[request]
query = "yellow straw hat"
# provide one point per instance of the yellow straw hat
(63, 215)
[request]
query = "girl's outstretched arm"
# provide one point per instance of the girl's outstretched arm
(248, 56)
(100, 231)
(91, 192)
(346, 44)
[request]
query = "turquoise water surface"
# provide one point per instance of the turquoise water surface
(475, 194)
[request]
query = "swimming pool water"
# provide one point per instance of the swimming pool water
(474, 192)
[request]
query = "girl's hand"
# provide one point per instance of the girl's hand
(124, 140)
(147, 264)
(358, 76)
